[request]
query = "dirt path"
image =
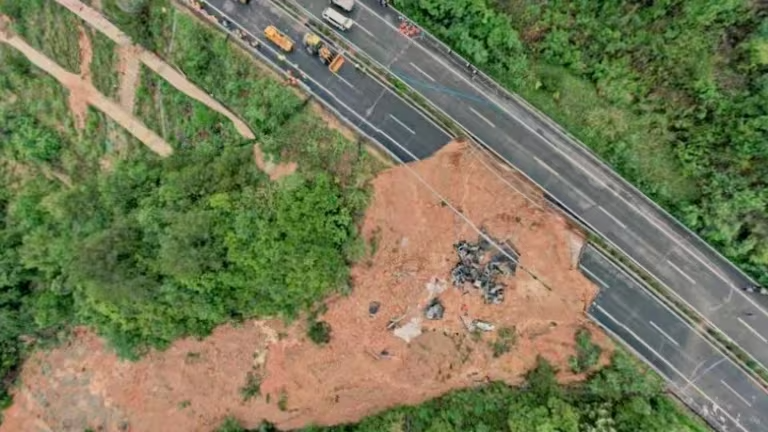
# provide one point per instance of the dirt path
(83, 93)
(158, 65)
(78, 102)
(129, 69)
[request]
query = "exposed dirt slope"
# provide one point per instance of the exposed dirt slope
(195, 384)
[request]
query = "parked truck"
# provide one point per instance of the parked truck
(315, 46)
(275, 36)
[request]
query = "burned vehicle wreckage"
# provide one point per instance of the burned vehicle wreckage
(473, 268)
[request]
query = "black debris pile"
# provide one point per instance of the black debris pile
(435, 310)
(482, 273)
(373, 308)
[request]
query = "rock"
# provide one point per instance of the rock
(373, 308)
(435, 310)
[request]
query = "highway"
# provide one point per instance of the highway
(699, 374)
(595, 194)
(371, 106)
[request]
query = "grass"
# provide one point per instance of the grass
(176, 117)
(104, 63)
(49, 27)
(27, 88)
(252, 387)
(506, 338)
(631, 143)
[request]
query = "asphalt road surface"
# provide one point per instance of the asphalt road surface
(591, 190)
(700, 375)
(374, 108)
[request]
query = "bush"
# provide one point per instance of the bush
(587, 352)
(319, 332)
(505, 340)
(252, 387)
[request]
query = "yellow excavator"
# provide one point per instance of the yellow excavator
(315, 46)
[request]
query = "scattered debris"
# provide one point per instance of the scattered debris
(483, 326)
(477, 325)
(471, 269)
(435, 310)
(409, 331)
(373, 308)
(392, 323)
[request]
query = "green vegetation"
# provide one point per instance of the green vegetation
(672, 94)
(319, 332)
(252, 387)
(282, 401)
(104, 63)
(587, 352)
(48, 27)
(506, 338)
(98, 231)
(618, 398)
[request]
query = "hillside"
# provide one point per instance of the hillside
(186, 239)
(672, 94)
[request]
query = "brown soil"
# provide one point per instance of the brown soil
(78, 99)
(128, 69)
(195, 384)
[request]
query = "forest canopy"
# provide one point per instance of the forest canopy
(672, 93)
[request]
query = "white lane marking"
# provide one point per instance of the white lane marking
(572, 160)
(555, 173)
(422, 72)
(752, 330)
(547, 167)
(675, 238)
(736, 393)
(653, 324)
(402, 124)
(584, 269)
(346, 82)
(689, 383)
(357, 25)
(679, 270)
(614, 218)
(481, 116)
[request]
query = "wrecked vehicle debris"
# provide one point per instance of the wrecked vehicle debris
(483, 325)
(470, 268)
(473, 325)
(435, 310)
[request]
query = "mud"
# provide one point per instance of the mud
(365, 368)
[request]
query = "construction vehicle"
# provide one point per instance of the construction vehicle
(315, 46)
(284, 42)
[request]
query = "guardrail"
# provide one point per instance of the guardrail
(503, 93)
(724, 341)
(376, 137)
